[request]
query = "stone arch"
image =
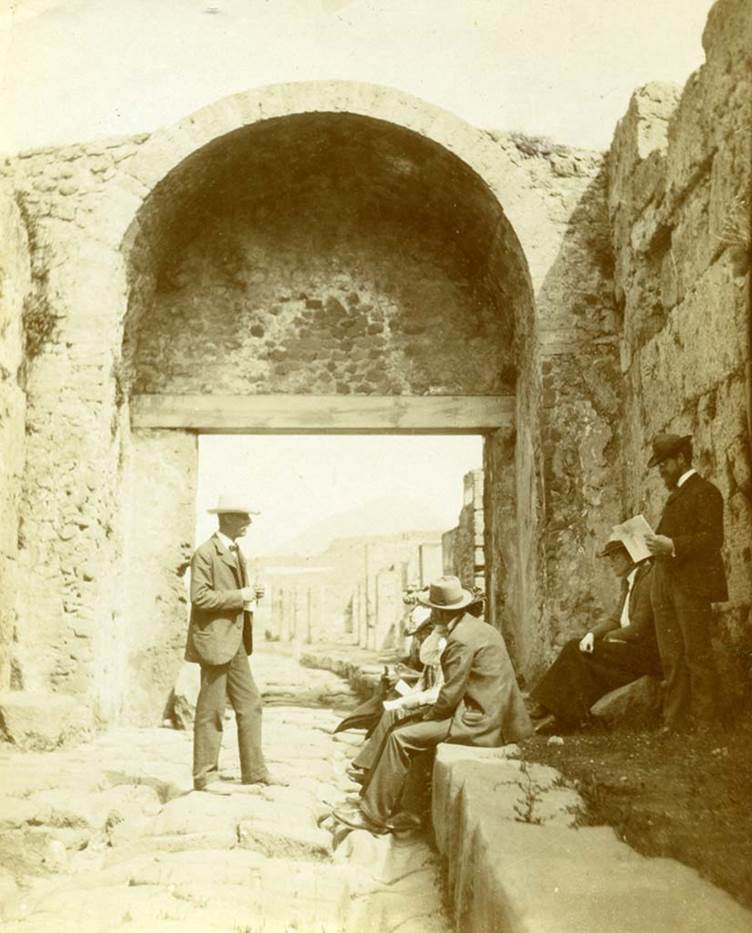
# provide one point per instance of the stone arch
(117, 222)
(112, 283)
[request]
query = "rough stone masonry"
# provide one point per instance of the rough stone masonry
(331, 238)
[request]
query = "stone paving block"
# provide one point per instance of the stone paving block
(171, 842)
(273, 837)
(42, 720)
(15, 812)
(201, 812)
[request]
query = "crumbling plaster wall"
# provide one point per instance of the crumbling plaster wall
(679, 202)
(15, 285)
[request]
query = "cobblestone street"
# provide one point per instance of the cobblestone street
(110, 835)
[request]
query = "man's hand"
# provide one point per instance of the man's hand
(587, 643)
(247, 594)
(389, 678)
(260, 590)
(659, 545)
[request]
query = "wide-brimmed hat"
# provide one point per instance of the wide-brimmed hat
(613, 545)
(666, 444)
(232, 504)
(446, 593)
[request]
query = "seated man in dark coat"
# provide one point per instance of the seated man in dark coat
(478, 704)
(613, 654)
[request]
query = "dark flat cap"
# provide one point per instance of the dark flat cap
(664, 445)
(612, 546)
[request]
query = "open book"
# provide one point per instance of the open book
(632, 532)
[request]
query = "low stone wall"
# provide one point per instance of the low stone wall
(361, 668)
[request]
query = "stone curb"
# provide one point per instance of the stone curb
(517, 862)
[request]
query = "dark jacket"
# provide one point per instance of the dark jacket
(693, 519)
(641, 628)
(218, 622)
(480, 693)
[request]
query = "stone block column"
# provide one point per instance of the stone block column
(159, 493)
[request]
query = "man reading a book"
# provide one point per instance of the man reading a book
(612, 654)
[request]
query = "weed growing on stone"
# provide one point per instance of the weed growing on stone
(525, 809)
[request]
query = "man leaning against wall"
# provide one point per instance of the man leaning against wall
(689, 575)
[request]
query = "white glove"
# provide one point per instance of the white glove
(587, 643)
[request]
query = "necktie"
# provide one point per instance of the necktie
(234, 549)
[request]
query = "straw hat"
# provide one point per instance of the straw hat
(228, 504)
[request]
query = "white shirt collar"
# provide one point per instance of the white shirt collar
(624, 618)
(453, 624)
(685, 476)
(228, 542)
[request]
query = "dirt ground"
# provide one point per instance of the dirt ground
(688, 797)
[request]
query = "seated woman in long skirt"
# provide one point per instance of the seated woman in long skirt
(613, 654)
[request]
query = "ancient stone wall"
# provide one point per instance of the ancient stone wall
(227, 255)
(555, 494)
(679, 202)
(409, 282)
(15, 284)
(69, 547)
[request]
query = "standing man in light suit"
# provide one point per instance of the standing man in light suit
(688, 577)
(220, 638)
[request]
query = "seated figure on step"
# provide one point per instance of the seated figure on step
(411, 676)
(407, 703)
(611, 655)
(479, 703)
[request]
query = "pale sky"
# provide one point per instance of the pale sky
(77, 70)
(295, 481)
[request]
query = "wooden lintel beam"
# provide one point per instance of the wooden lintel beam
(330, 414)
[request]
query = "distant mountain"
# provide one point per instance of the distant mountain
(384, 516)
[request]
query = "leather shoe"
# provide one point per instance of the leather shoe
(269, 780)
(214, 787)
(356, 819)
(403, 822)
(359, 775)
(547, 726)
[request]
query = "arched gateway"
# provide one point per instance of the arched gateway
(307, 257)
